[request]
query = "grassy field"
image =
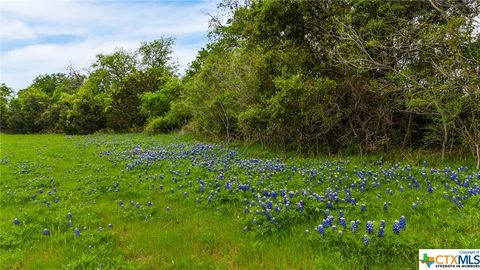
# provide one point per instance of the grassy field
(169, 202)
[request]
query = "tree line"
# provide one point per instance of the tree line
(311, 76)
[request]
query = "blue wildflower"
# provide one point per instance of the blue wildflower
(383, 223)
(343, 223)
(46, 231)
(16, 221)
(403, 222)
(320, 230)
(366, 239)
(370, 227)
(76, 231)
(459, 204)
(396, 227)
(381, 232)
(353, 226)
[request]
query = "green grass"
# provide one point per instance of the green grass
(202, 235)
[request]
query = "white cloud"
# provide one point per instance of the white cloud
(13, 29)
(34, 30)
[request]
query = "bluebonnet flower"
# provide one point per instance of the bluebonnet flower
(255, 221)
(403, 222)
(245, 229)
(299, 206)
(269, 204)
(110, 225)
(138, 205)
(57, 199)
(414, 206)
(353, 226)
(69, 215)
(327, 213)
(366, 239)
(343, 223)
(274, 221)
(340, 214)
(383, 223)
(320, 230)
(385, 206)
(76, 231)
(168, 209)
(16, 221)
(267, 214)
(46, 231)
(40, 191)
(100, 229)
(381, 232)
(334, 228)
(370, 227)
(396, 227)
(149, 204)
(363, 207)
(329, 204)
(460, 204)
(247, 211)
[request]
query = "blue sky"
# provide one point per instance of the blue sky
(40, 37)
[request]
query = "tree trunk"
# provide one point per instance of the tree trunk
(407, 133)
(477, 147)
(445, 139)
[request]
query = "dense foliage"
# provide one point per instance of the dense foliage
(311, 76)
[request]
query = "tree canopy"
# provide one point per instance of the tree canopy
(311, 76)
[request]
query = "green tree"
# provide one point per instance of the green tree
(5, 93)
